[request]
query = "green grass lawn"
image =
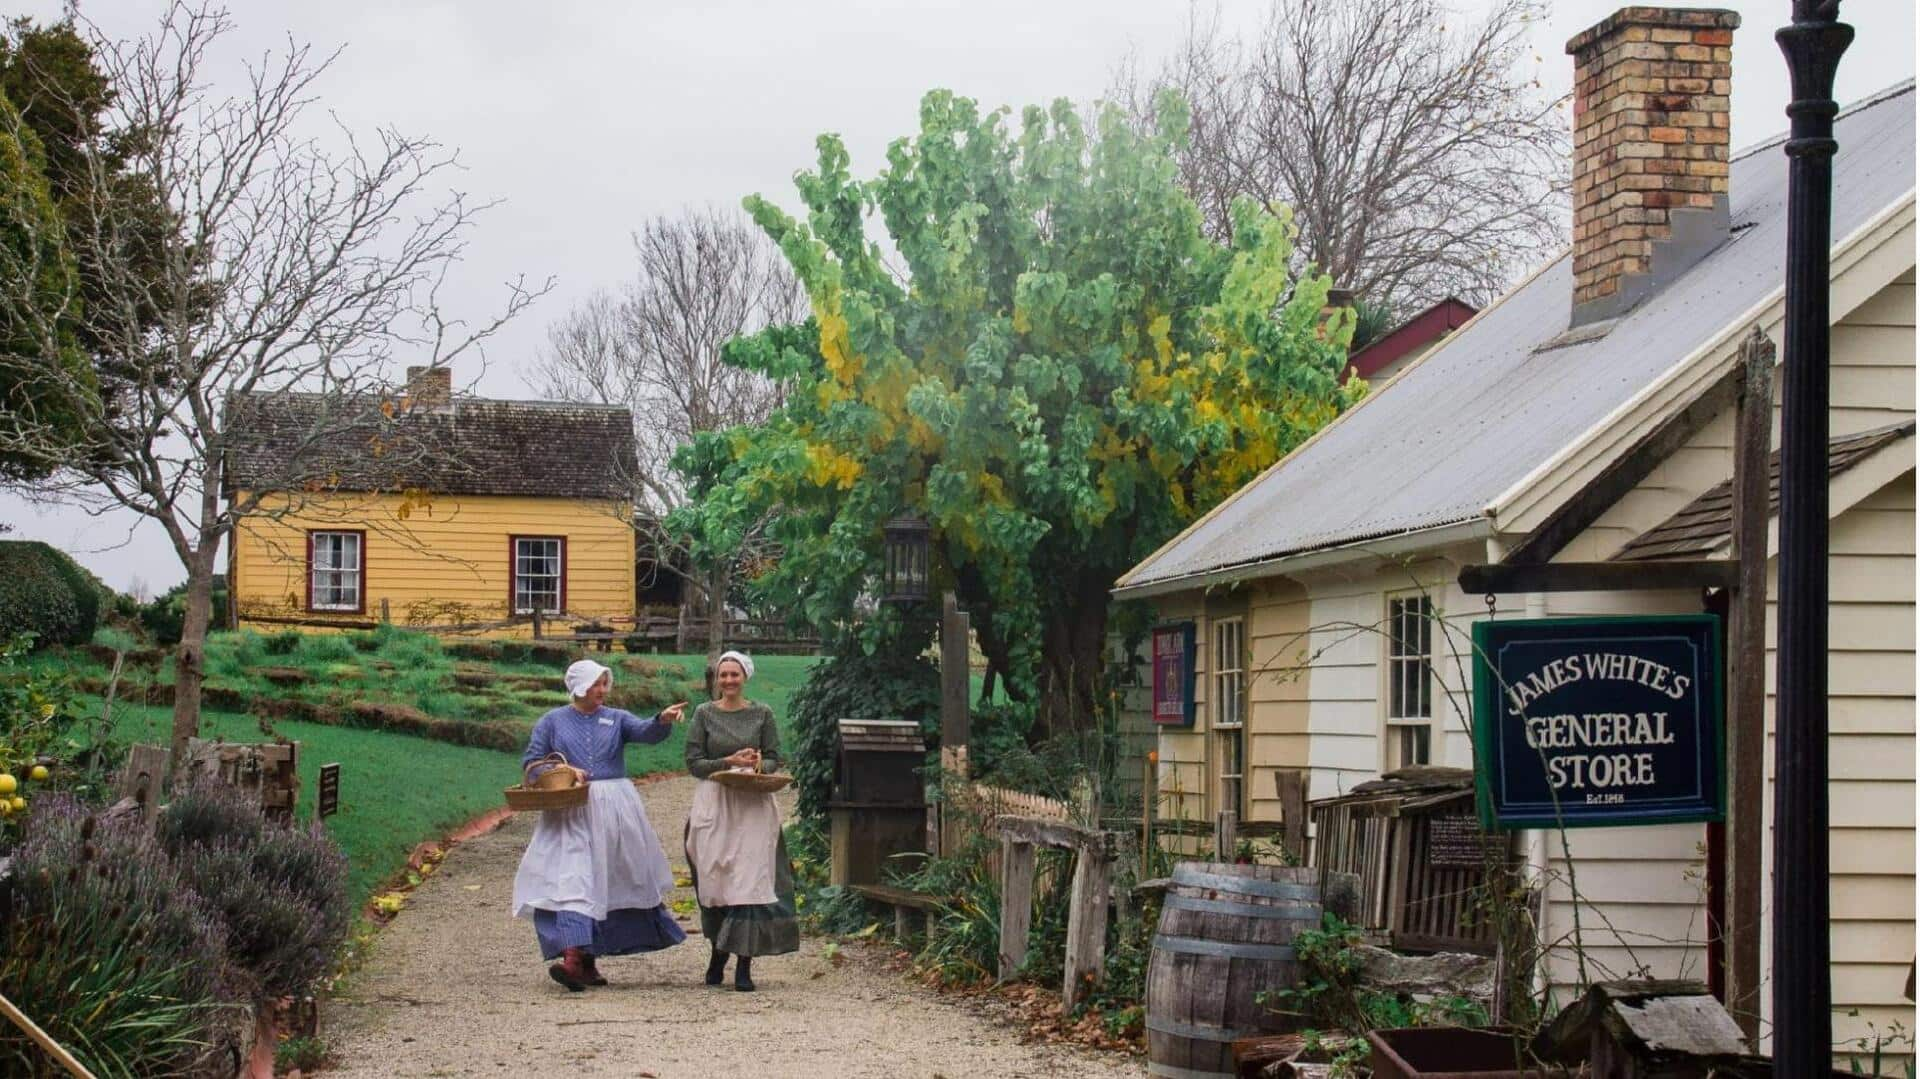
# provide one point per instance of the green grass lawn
(397, 790)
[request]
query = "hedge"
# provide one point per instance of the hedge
(45, 593)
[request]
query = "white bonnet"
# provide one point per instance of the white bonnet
(583, 674)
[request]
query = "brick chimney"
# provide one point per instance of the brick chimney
(429, 387)
(1650, 146)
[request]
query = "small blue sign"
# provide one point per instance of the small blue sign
(1598, 721)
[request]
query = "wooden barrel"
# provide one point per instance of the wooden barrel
(1226, 935)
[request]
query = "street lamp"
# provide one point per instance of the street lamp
(906, 559)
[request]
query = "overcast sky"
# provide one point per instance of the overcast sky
(585, 118)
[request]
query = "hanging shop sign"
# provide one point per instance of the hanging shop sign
(1598, 721)
(1173, 647)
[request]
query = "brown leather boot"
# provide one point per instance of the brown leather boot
(593, 973)
(571, 970)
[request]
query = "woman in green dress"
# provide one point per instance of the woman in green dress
(734, 846)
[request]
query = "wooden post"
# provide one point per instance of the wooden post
(536, 621)
(1149, 799)
(1746, 686)
(1226, 829)
(955, 627)
(146, 769)
(386, 612)
(1087, 921)
(1016, 903)
(1291, 785)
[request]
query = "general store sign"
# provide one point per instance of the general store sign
(1598, 721)
(1173, 646)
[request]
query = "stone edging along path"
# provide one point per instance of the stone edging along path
(455, 986)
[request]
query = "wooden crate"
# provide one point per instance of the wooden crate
(1421, 868)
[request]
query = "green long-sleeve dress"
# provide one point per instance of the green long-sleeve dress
(733, 838)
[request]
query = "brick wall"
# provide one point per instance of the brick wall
(1651, 93)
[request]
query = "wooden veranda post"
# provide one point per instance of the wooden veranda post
(1747, 687)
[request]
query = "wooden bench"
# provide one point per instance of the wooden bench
(907, 905)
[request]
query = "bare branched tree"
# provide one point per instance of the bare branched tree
(1415, 148)
(284, 269)
(703, 278)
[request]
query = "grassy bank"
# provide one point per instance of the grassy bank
(397, 790)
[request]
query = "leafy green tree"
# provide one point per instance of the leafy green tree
(41, 362)
(115, 224)
(1059, 370)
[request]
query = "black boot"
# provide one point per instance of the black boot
(717, 967)
(743, 974)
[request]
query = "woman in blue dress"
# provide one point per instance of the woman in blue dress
(594, 878)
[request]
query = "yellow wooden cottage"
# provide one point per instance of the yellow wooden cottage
(467, 512)
(1587, 406)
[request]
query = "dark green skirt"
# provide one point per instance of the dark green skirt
(761, 929)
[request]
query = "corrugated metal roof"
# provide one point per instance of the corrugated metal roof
(1486, 407)
(1706, 523)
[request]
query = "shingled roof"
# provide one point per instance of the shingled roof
(1706, 523)
(472, 446)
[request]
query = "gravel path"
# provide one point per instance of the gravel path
(455, 986)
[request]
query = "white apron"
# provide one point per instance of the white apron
(733, 837)
(598, 857)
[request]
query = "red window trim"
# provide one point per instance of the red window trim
(361, 592)
(513, 573)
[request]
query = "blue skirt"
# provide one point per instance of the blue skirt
(622, 932)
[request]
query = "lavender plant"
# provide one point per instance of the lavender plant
(107, 949)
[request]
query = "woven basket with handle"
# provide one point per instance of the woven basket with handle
(555, 789)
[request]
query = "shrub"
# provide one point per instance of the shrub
(45, 593)
(283, 644)
(209, 811)
(324, 648)
(165, 616)
(281, 892)
(850, 684)
(35, 707)
(108, 950)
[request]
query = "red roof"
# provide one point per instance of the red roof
(1422, 329)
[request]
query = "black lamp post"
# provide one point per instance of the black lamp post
(1802, 986)
(905, 578)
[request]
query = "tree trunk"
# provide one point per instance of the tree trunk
(1073, 648)
(189, 659)
(717, 580)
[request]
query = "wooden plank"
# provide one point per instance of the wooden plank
(145, 770)
(1599, 494)
(1016, 903)
(1086, 925)
(1225, 835)
(1051, 833)
(1505, 577)
(1747, 686)
(1291, 784)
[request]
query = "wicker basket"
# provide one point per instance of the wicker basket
(556, 789)
(761, 782)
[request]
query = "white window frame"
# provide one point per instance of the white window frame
(340, 575)
(1408, 691)
(1227, 701)
(559, 576)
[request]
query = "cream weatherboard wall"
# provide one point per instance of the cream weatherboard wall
(1641, 891)
(440, 559)
(1647, 882)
